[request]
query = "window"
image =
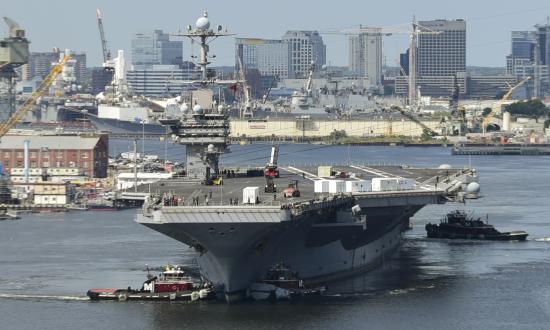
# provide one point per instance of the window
(85, 164)
(33, 154)
(46, 164)
(60, 154)
(85, 154)
(19, 154)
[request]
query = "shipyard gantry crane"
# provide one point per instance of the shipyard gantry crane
(106, 51)
(246, 109)
(31, 101)
(497, 108)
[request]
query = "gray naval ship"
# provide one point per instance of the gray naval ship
(322, 222)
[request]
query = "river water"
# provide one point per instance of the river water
(48, 261)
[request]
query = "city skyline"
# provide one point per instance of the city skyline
(488, 33)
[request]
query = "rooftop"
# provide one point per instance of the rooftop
(76, 142)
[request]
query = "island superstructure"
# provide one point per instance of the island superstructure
(343, 220)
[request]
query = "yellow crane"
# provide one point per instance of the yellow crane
(496, 109)
(28, 104)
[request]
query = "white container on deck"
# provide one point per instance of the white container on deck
(356, 186)
(321, 186)
(336, 186)
(324, 171)
(251, 195)
(406, 184)
(385, 184)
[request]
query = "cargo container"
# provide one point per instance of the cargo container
(336, 186)
(358, 186)
(321, 186)
(324, 171)
(251, 195)
(406, 184)
(385, 184)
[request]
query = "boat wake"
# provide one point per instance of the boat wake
(42, 297)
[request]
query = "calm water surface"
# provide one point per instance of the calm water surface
(48, 261)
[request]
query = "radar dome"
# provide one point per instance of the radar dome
(184, 107)
(444, 167)
(220, 108)
(211, 148)
(473, 188)
(203, 23)
(197, 110)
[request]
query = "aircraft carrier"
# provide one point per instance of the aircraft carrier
(243, 221)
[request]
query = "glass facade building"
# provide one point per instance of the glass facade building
(269, 57)
(441, 54)
(156, 48)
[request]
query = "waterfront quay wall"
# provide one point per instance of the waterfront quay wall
(318, 128)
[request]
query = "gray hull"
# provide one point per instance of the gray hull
(238, 253)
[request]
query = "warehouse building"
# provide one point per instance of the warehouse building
(86, 153)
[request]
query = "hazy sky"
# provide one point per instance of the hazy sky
(72, 23)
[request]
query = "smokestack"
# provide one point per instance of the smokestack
(26, 144)
(506, 121)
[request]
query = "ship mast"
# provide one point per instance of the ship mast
(203, 35)
(204, 131)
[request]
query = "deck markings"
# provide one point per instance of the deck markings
(297, 171)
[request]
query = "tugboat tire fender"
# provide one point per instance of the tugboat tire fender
(203, 294)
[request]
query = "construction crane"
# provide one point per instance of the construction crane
(412, 118)
(246, 109)
(266, 96)
(417, 30)
(496, 109)
(106, 51)
(31, 101)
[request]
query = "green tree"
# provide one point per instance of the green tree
(338, 135)
(530, 108)
(426, 136)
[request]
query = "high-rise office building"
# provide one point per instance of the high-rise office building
(269, 57)
(161, 80)
(156, 48)
(101, 77)
(543, 37)
(530, 57)
(365, 56)
(442, 54)
(306, 47)
(440, 59)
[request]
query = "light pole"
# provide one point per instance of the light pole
(143, 138)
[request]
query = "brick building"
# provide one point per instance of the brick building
(88, 153)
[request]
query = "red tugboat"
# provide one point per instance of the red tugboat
(172, 284)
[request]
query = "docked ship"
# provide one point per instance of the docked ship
(326, 224)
